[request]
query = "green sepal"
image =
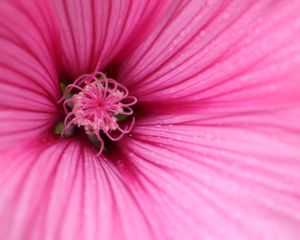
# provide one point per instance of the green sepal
(59, 127)
(121, 118)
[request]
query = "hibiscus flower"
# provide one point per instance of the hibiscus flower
(135, 119)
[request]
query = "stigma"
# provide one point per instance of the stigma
(100, 106)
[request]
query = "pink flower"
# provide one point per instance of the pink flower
(181, 119)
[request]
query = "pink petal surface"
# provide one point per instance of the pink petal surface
(62, 191)
(224, 53)
(94, 32)
(222, 182)
(215, 151)
(28, 80)
(236, 182)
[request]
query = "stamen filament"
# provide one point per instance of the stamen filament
(97, 107)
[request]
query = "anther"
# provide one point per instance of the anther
(98, 104)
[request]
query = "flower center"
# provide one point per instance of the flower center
(99, 105)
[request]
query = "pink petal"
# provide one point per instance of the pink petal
(94, 32)
(28, 81)
(60, 190)
(184, 178)
(233, 177)
(213, 164)
(220, 54)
